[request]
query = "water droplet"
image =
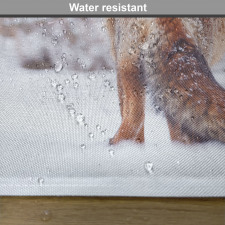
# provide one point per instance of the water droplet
(41, 24)
(61, 97)
(58, 67)
(43, 94)
(71, 109)
(92, 76)
(74, 76)
(83, 146)
(41, 181)
(64, 31)
(131, 51)
(48, 170)
(53, 83)
(111, 152)
(59, 87)
(72, 23)
(63, 57)
(46, 215)
(103, 132)
(61, 21)
(80, 119)
(98, 127)
(91, 135)
(72, 112)
(67, 81)
(157, 108)
(103, 28)
(149, 167)
(75, 85)
(83, 65)
(106, 83)
(54, 41)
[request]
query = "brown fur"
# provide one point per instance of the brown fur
(172, 56)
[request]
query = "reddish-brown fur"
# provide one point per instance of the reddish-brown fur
(175, 65)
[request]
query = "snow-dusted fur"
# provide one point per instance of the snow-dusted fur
(172, 55)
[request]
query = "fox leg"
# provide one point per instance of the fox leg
(132, 101)
(176, 133)
(192, 99)
(176, 39)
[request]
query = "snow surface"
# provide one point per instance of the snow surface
(46, 148)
